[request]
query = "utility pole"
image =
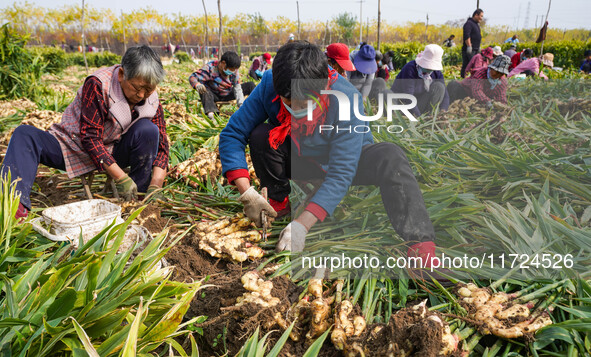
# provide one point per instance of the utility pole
(379, 21)
(478, 4)
(361, 21)
(221, 30)
(83, 40)
(123, 27)
(206, 44)
(427, 28)
(299, 28)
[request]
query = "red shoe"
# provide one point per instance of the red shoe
(425, 251)
(21, 213)
(282, 208)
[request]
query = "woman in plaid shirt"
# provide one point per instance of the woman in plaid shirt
(115, 121)
(485, 84)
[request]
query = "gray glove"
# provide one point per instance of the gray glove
(254, 204)
(469, 50)
(489, 104)
(292, 237)
(200, 88)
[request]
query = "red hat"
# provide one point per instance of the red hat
(340, 53)
(267, 57)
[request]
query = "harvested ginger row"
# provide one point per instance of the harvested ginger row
(230, 238)
(497, 315)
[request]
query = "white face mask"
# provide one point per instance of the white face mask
(300, 113)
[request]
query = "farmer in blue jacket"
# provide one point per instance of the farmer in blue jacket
(284, 144)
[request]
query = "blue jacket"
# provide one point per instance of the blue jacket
(338, 151)
(408, 81)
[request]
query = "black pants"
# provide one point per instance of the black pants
(384, 165)
(30, 146)
(426, 101)
(209, 98)
(378, 86)
(465, 59)
(456, 91)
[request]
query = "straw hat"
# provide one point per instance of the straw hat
(548, 59)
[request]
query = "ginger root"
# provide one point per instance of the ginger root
(259, 291)
(230, 238)
(495, 313)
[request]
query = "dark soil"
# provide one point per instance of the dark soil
(227, 327)
(54, 190)
(406, 334)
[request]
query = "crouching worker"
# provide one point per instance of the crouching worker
(115, 121)
(485, 84)
(285, 145)
(259, 66)
(423, 78)
(219, 81)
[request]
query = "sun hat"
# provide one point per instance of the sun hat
(548, 59)
(497, 51)
(340, 53)
(431, 58)
(365, 60)
(513, 46)
(501, 64)
(487, 52)
(267, 57)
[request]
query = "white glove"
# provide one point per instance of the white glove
(200, 88)
(254, 204)
(469, 50)
(292, 237)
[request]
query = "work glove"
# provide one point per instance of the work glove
(489, 104)
(152, 195)
(126, 188)
(200, 88)
(469, 50)
(292, 237)
(254, 204)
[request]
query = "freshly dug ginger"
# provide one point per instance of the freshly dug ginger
(259, 291)
(230, 238)
(319, 322)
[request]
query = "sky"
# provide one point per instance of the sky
(565, 14)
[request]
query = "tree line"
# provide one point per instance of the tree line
(107, 30)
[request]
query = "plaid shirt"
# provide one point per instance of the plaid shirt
(118, 120)
(478, 87)
(92, 121)
(211, 78)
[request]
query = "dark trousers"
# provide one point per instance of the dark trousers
(378, 86)
(30, 147)
(383, 164)
(209, 98)
(426, 101)
(465, 59)
(456, 91)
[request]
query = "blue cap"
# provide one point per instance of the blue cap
(365, 60)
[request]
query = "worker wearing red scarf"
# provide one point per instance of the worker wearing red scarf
(285, 145)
